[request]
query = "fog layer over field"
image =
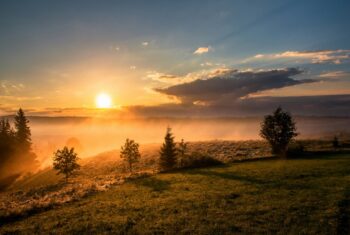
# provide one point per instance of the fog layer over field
(91, 135)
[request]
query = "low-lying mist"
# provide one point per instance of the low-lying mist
(91, 136)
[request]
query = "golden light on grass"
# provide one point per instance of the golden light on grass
(103, 101)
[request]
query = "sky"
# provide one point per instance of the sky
(175, 58)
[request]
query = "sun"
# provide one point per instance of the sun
(103, 101)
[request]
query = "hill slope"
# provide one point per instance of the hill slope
(269, 196)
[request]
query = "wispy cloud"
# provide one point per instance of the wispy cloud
(145, 44)
(19, 98)
(315, 57)
(202, 50)
(335, 74)
(8, 88)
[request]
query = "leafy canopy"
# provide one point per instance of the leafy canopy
(130, 152)
(278, 129)
(65, 161)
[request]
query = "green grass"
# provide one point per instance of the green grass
(301, 196)
(43, 178)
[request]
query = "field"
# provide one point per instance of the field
(305, 196)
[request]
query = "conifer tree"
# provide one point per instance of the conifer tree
(168, 152)
(7, 147)
(22, 134)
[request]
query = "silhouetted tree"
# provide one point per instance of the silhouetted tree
(130, 153)
(278, 129)
(335, 143)
(168, 153)
(23, 134)
(15, 146)
(7, 138)
(182, 152)
(65, 162)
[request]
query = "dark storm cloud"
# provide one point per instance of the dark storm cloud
(233, 84)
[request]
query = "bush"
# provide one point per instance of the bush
(278, 129)
(296, 149)
(197, 160)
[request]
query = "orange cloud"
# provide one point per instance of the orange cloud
(315, 57)
(202, 50)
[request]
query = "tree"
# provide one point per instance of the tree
(23, 135)
(6, 133)
(130, 153)
(168, 153)
(182, 151)
(7, 147)
(65, 162)
(278, 129)
(335, 143)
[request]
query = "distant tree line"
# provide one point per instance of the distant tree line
(278, 129)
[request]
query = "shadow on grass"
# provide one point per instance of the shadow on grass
(343, 226)
(7, 181)
(324, 155)
(226, 175)
(153, 183)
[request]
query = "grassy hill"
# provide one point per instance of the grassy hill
(267, 196)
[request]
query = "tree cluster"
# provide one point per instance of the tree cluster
(15, 145)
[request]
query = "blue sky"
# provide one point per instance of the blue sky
(61, 54)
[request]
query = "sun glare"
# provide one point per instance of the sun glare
(103, 101)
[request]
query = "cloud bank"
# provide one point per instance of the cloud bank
(228, 85)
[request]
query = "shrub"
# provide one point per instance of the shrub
(182, 152)
(197, 160)
(296, 149)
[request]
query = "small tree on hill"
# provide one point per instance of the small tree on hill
(335, 143)
(130, 153)
(65, 162)
(168, 152)
(278, 129)
(182, 152)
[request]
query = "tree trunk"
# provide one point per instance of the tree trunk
(284, 153)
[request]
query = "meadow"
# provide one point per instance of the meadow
(304, 196)
(251, 192)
